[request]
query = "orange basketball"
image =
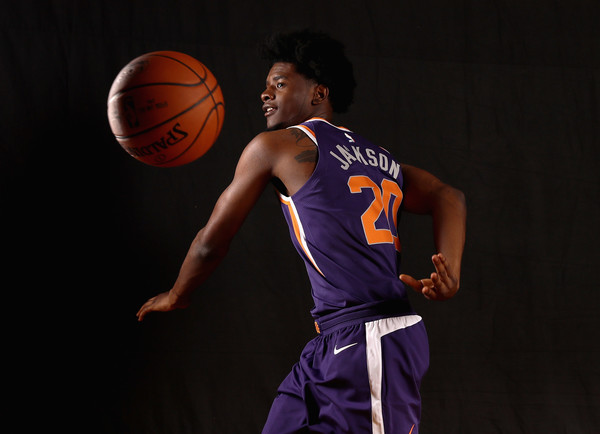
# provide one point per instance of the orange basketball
(166, 108)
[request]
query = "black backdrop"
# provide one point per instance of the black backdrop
(498, 98)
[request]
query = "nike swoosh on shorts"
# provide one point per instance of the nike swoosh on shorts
(337, 350)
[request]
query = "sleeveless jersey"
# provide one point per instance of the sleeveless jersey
(343, 221)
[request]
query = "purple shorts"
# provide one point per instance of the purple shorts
(359, 376)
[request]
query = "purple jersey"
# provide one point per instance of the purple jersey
(343, 221)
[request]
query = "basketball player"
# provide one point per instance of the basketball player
(341, 196)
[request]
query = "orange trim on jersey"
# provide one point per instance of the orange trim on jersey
(298, 231)
(411, 430)
(307, 131)
(325, 120)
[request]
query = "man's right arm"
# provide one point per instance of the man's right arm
(209, 247)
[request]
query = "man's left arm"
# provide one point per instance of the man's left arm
(426, 194)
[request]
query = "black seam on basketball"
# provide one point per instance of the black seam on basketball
(172, 117)
(202, 79)
(166, 83)
(162, 163)
(215, 103)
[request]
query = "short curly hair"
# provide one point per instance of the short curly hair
(319, 57)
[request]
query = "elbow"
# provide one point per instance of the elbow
(449, 202)
(210, 254)
(460, 198)
(454, 196)
(457, 194)
(206, 250)
(463, 203)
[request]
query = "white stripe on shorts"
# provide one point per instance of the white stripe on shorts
(374, 330)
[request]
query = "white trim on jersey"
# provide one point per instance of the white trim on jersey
(299, 229)
(308, 132)
(374, 331)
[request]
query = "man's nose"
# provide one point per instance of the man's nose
(266, 95)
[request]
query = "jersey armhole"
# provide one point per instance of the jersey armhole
(310, 133)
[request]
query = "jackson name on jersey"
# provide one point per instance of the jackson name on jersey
(348, 156)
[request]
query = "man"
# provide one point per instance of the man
(341, 196)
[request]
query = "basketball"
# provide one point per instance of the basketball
(166, 108)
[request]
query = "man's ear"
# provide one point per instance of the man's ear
(321, 94)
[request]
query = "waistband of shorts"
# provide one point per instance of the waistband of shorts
(362, 313)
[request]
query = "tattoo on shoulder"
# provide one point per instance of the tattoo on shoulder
(309, 156)
(300, 137)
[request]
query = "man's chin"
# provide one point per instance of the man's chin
(279, 126)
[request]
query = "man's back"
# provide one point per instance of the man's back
(343, 220)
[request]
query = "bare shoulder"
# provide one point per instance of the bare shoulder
(287, 136)
(289, 153)
(421, 189)
(289, 142)
(419, 177)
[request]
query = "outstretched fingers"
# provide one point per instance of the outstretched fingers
(422, 286)
(412, 282)
(444, 283)
(440, 285)
(441, 265)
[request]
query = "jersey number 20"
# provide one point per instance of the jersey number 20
(389, 192)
